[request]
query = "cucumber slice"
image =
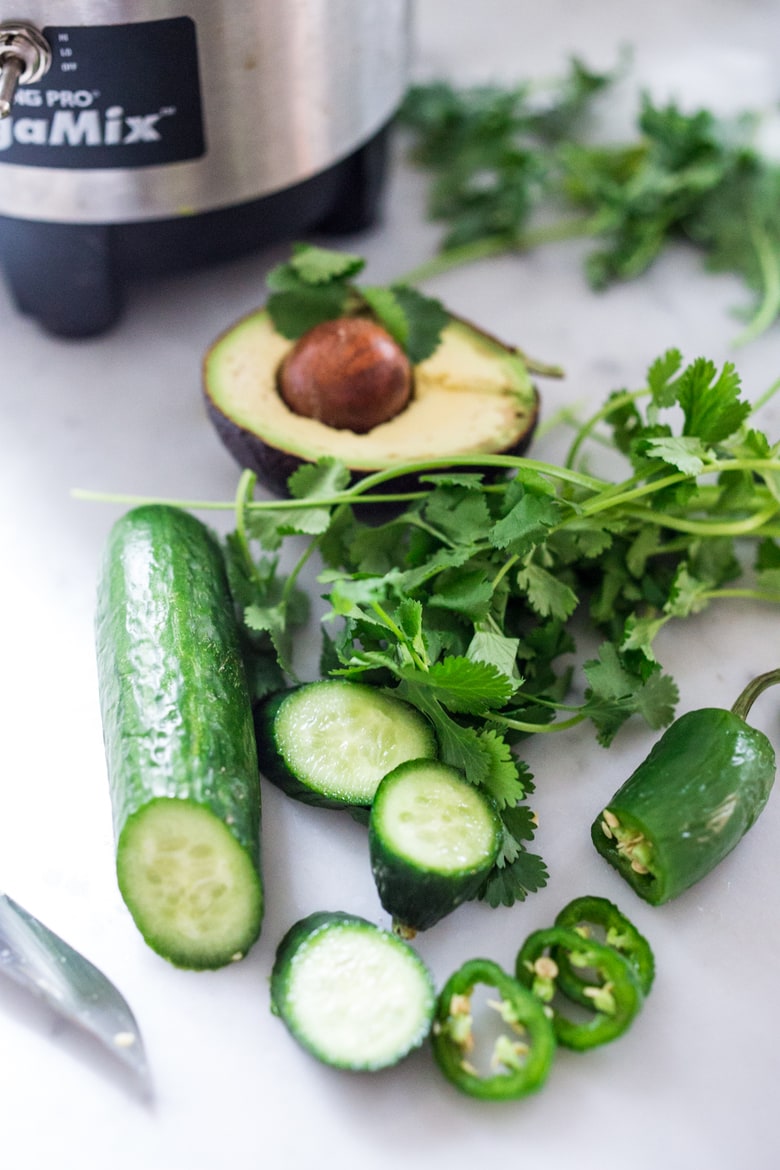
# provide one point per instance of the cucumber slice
(329, 743)
(180, 748)
(353, 995)
(433, 838)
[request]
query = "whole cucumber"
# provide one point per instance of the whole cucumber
(179, 739)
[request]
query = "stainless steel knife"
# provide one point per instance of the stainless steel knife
(39, 960)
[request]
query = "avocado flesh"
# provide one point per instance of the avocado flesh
(473, 395)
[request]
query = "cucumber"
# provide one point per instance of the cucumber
(179, 739)
(353, 995)
(433, 838)
(329, 743)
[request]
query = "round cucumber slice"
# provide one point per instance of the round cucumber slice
(331, 742)
(433, 839)
(355, 996)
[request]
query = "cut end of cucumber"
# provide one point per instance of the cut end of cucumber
(192, 889)
(339, 738)
(352, 994)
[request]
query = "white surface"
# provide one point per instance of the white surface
(694, 1083)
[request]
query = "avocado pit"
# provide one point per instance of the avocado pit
(347, 373)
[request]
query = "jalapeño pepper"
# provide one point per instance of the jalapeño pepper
(607, 983)
(599, 919)
(691, 801)
(521, 1055)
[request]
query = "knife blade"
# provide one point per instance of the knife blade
(36, 958)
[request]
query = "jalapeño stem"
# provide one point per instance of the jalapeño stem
(756, 687)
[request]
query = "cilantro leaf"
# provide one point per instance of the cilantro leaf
(615, 692)
(527, 524)
(296, 311)
(461, 514)
(685, 453)
(661, 377)
(710, 401)
(315, 265)
(656, 699)
(271, 612)
(640, 633)
(687, 594)
(387, 309)
(497, 649)
(468, 592)
(326, 477)
(504, 780)
(547, 594)
(513, 882)
(426, 318)
(465, 685)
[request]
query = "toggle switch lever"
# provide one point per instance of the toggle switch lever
(25, 56)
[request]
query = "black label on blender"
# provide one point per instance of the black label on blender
(123, 95)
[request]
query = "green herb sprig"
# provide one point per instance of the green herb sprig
(317, 284)
(501, 155)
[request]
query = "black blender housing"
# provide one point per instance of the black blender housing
(73, 277)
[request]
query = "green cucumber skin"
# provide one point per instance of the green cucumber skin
(415, 897)
(176, 711)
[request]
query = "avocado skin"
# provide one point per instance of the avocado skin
(273, 466)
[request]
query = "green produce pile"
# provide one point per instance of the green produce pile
(466, 601)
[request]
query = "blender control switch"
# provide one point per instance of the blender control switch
(25, 55)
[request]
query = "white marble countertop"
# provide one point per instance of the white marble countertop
(694, 1083)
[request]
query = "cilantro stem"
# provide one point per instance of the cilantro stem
(749, 594)
(505, 568)
(621, 494)
(618, 495)
(246, 485)
(272, 505)
(488, 246)
(366, 485)
(584, 431)
(534, 728)
(707, 527)
(403, 641)
(470, 462)
(769, 263)
(132, 500)
(766, 396)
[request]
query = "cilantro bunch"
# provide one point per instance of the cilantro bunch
(317, 284)
(499, 155)
(465, 599)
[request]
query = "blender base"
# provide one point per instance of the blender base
(72, 277)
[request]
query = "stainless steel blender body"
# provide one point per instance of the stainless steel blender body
(155, 113)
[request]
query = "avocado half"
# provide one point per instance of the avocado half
(473, 395)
